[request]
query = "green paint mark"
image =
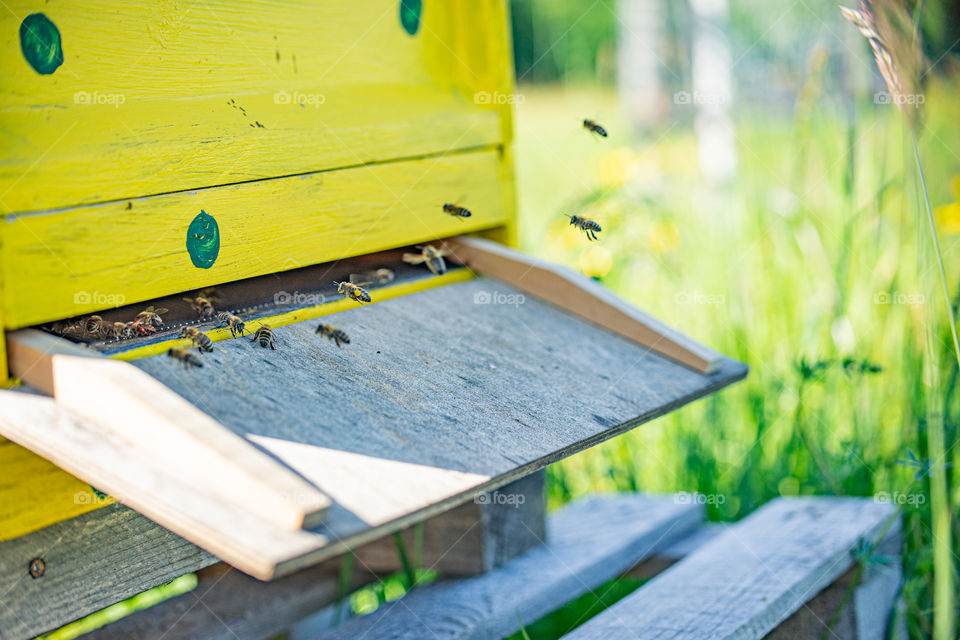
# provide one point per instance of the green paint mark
(410, 11)
(100, 494)
(203, 240)
(40, 43)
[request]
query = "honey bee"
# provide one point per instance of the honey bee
(141, 327)
(236, 325)
(264, 336)
(151, 316)
(379, 277)
(69, 329)
(94, 326)
(118, 330)
(334, 334)
(456, 210)
(589, 227)
(430, 255)
(201, 305)
(185, 358)
(353, 291)
(200, 339)
(594, 127)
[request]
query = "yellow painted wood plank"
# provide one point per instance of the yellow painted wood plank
(160, 97)
(34, 493)
(83, 259)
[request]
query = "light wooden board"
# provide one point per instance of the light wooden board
(588, 543)
(92, 561)
(182, 95)
(85, 259)
(750, 579)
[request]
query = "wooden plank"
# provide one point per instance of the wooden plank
(196, 94)
(588, 543)
(747, 581)
(581, 295)
(86, 259)
(91, 561)
(118, 398)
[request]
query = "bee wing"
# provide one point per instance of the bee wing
(161, 311)
(357, 278)
(190, 300)
(413, 258)
(361, 284)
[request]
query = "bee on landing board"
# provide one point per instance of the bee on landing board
(589, 227)
(202, 306)
(264, 335)
(381, 277)
(334, 334)
(353, 291)
(94, 326)
(226, 319)
(200, 339)
(456, 210)
(151, 316)
(118, 330)
(430, 255)
(184, 357)
(594, 127)
(141, 327)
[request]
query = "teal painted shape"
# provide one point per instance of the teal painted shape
(40, 43)
(410, 11)
(203, 240)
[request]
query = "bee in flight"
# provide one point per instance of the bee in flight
(594, 127)
(184, 357)
(456, 210)
(200, 339)
(589, 227)
(430, 255)
(151, 316)
(334, 334)
(226, 319)
(201, 305)
(264, 335)
(381, 276)
(353, 291)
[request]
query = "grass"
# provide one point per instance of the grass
(813, 268)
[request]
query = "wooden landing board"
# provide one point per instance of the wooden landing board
(441, 395)
(750, 578)
(588, 543)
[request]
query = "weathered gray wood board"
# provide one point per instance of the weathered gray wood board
(588, 543)
(91, 561)
(441, 395)
(752, 577)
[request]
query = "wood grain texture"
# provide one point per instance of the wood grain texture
(582, 296)
(152, 99)
(588, 543)
(750, 579)
(92, 561)
(33, 354)
(85, 259)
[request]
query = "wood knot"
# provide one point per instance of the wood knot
(37, 567)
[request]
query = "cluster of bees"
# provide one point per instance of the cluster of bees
(96, 328)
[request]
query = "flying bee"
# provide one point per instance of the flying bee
(236, 325)
(185, 358)
(456, 210)
(264, 336)
(201, 305)
(589, 227)
(353, 291)
(594, 127)
(200, 339)
(430, 255)
(334, 334)
(379, 277)
(151, 316)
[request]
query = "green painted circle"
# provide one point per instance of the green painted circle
(203, 240)
(40, 43)
(410, 11)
